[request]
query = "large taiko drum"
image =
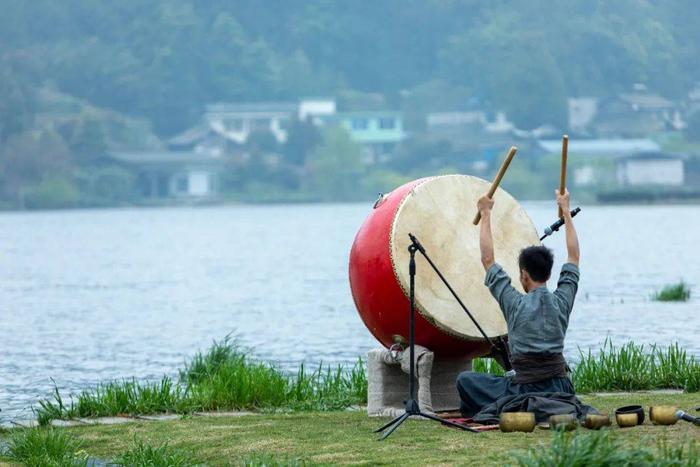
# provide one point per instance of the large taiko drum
(439, 212)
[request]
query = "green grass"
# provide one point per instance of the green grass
(630, 367)
(45, 447)
(144, 454)
(602, 448)
(633, 367)
(223, 378)
(347, 437)
(487, 365)
(271, 460)
(128, 397)
(679, 292)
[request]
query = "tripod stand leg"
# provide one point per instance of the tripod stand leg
(396, 423)
(448, 423)
(396, 420)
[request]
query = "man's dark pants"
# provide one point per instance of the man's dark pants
(477, 390)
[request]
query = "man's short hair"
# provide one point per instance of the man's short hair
(537, 261)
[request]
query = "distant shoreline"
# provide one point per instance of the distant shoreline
(613, 201)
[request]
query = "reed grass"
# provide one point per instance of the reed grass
(45, 447)
(679, 292)
(601, 448)
(223, 378)
(226, 378)
(144, 454)
(634, 367)
(128, 397)
(630, 367)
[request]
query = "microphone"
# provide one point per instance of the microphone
(680, 415)
(555, 227)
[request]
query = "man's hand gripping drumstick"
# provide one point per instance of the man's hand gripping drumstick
(572, 246)
(484, 206)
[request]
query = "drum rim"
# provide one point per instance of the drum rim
(419, 307)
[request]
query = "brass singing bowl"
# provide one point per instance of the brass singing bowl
(566, 422)
(663, 415)
(517, 421)
(626, 420)
(596, 421)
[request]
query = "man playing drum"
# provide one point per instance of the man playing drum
(537, 320)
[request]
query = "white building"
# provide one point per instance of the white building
(236, 121)
(651, 168)
(172, 174)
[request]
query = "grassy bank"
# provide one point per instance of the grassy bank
(346, 437)
(225, 378)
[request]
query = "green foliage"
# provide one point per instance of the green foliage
(16, 101)
(692, 131)
(45, 447)
(630, 367)
(303, 138)
(51, 193)
(271, 460)
(223, 378)
(144, 454)
(487, 365)
(106, 185)
(524, 57)
(679, 292)
(602, 449)
(382, 181)
(335, 166)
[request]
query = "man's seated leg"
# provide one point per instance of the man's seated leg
(479, 389)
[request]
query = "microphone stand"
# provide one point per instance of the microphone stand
(412, 407)
(499, 349)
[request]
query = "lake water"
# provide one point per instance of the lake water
(93, 295)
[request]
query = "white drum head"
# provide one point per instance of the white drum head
(439, 212)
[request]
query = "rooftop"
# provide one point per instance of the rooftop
(607, 147)
(647, 101)
(160, 157)
(252, 107)
(191, 135)
(652, 155)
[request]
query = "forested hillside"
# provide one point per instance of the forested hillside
(163, 60)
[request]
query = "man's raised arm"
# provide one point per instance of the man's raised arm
(572, 247)
(485, 204)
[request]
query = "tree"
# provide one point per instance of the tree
(335, 166)
(692, 132)
(302, 139)
(30, 158)
(16, 102)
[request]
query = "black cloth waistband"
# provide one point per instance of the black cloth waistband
(533, 367)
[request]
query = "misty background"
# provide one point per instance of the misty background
(130, 102)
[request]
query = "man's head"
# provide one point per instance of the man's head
(535, 266)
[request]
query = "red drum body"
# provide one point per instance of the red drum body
(438, 211)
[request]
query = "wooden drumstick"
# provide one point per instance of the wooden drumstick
(497, 180)
(564, 155)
